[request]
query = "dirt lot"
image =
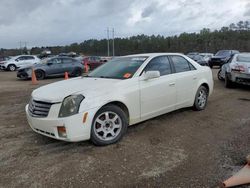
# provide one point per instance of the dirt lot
(181, 149)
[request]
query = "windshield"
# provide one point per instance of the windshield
(243, 58)
(223, 53)
(119, 68)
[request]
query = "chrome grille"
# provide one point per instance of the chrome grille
(39, 108)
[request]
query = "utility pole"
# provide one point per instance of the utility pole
(20, 44)
(108, 40)
(113, 32)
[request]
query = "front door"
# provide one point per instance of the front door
(158, 95)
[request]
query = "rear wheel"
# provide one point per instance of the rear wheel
(201, 97)
(219, 75)
(109, 125)
(77, 72)
(228, 82)
(40, 75)
(11, 67)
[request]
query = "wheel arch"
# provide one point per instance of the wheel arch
(119, 104)
(206, 86)
(39, 69)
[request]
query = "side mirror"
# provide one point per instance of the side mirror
(151, 75)
(16, 60)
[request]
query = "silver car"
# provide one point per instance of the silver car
(237, 70)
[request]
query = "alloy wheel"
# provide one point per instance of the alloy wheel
(107, 126)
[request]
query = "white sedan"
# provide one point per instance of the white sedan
(125, 91)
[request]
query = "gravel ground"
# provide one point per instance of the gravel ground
(181, 149)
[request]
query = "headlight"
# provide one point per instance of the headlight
(225, 59)
(70, 105)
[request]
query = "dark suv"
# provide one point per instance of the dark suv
(222, 57)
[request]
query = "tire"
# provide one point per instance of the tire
(77, 72)
(201, 97)
(40, 75)
(228, 82)
(109, 125)
(219, 75)
(11, 67)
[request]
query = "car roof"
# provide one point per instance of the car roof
(153, 54)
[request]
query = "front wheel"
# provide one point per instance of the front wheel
(201, 97)
(219, 75)
(11, 67)
(77, 72)
(109, 125)
(228, 82)
(40, 75)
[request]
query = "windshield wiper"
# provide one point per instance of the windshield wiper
(87, 76)
(109, 77)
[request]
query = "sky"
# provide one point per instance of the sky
(62, 22)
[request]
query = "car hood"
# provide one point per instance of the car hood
(57, 91)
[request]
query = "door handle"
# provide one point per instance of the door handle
(172, 84)
(194, 78)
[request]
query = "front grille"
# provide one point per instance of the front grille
(45, 132)
(39, 108)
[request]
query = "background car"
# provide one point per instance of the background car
(206, 56)
(191, 54)
(56, 66)
(199, 59)
(222, 57)
(19, 61)
(93, 62)
(2, 59)
(237, 70)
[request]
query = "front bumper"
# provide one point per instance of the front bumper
(75, 128)
(2, 67)
(23, 75)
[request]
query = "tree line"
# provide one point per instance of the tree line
(235, 36)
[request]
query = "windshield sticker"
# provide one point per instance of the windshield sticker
(127, 75)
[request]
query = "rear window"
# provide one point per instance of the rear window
(243, 58)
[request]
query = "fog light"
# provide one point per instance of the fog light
(62, 132)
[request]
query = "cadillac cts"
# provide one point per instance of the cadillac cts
(125, 91)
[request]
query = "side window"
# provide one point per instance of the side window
(30, 57)
(21, 58)
(181, 64)
(160, 64)
(67, 61)
(55, 61)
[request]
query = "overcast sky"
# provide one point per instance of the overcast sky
(60, 22)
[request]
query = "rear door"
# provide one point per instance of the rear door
(68, 65)
(54, 67)
(186, 81)
(21, 61)
(158, 95)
